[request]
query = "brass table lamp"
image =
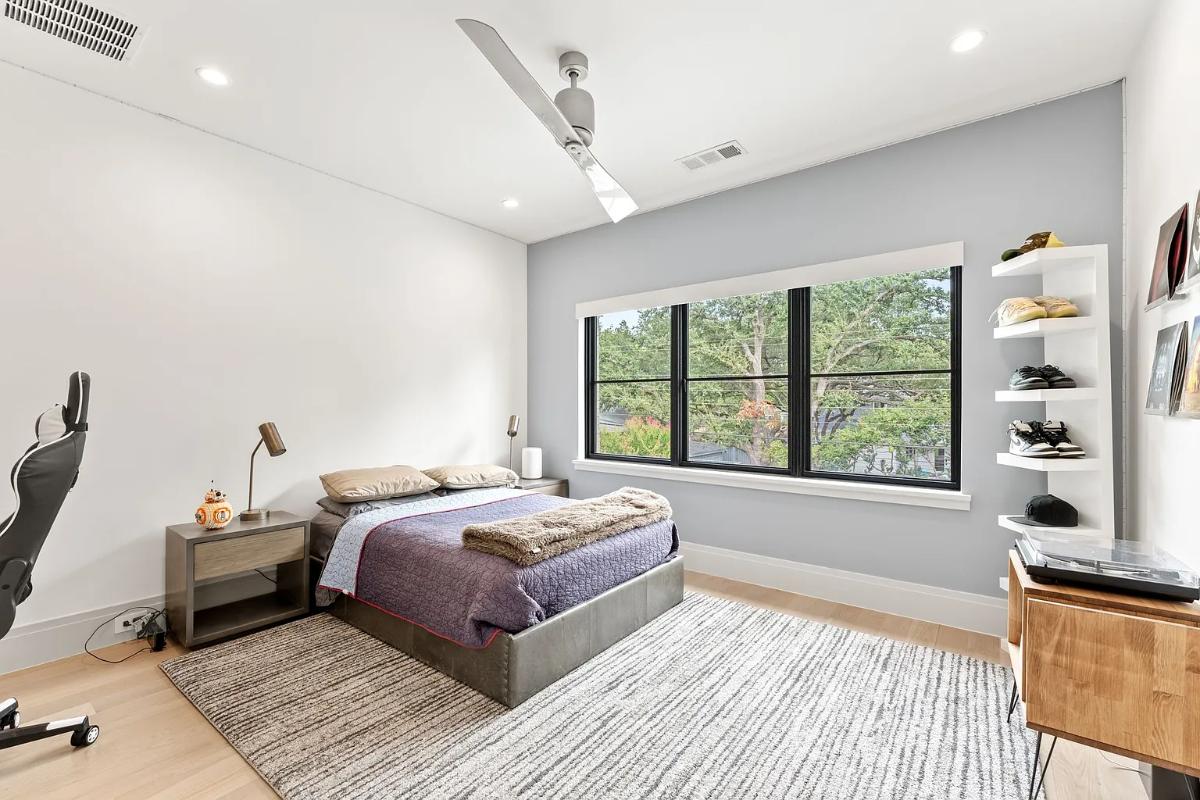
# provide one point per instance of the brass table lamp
(269, 436)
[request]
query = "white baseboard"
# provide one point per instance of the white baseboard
(38, 642)
(972, 612)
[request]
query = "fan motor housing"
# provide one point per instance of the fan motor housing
(579, 108)
(576, 104)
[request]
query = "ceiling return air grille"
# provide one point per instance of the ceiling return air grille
(78, 23)
(713, 155)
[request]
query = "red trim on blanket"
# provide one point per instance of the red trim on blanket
(425, 628)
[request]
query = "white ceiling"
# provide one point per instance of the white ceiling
(390, 94)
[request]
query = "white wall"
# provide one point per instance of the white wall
(207, 287)
(1163, 136)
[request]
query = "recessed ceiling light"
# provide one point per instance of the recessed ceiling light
(967, 40)
(213, 76)
(510, 202)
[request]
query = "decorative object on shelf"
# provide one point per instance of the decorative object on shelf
(1055, 432)
(1028, 378)
(215, 512)
(1016, 310)
(1027, 440)
(1056, 378)
(514, 425)
(268, 435)
(1189, 401)
(1193, 267)
(531, 462)
(1169, 259)
(1057, 307)
(1036, 439)
(1035, 241)
(1048, 511)
(1166, 374)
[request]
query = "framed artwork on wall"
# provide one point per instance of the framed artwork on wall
(1166, 374)
(1193, 266)
(1189, 401)
(1169, 259)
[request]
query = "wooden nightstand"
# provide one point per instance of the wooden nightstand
(555, 486)
(245, 576)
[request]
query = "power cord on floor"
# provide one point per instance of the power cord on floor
(1116, 765)
(155, 613)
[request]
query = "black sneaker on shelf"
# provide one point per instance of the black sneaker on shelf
(1028, 378)
(1055, 377)
(1055, 434)
(1026, 439)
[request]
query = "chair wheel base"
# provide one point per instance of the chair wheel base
(85, 737)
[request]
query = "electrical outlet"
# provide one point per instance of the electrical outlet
(128, 620)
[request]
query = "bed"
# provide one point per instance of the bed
(508, 631)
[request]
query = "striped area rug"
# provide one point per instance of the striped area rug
(714, 699)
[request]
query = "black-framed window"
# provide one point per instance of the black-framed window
(736, 384)
(630, 397)
(871, 367)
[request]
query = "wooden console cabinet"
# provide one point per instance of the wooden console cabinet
(1109, 670)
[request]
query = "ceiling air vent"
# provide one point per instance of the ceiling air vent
(77, 23)
(713, 155)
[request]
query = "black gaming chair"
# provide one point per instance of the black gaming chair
(40, 480)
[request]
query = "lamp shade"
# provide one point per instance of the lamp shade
(531, 462)
(271, 438)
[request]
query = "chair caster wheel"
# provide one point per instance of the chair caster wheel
(13, 720)
(85, 738)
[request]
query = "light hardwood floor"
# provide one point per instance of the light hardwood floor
(154, 744)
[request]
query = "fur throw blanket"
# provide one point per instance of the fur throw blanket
(536, 537)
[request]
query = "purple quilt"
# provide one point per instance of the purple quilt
(416, 568)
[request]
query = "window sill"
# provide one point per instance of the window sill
(846, 490)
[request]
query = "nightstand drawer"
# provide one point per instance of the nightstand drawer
(244, 553)
(552, 486)
(555, 489)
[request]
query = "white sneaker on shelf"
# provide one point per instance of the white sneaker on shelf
(1024, 439)
(1055, 434)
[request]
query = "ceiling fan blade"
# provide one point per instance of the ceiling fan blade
(616, 201)
(518, 79)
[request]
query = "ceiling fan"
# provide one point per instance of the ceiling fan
(570, 117)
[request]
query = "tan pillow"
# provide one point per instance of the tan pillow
(471, 476)
(376, 483)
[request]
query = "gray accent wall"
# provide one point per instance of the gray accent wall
(989, 184)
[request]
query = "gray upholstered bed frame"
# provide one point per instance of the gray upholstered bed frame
(515, 667)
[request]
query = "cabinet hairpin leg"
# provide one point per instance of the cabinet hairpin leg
(1012, 700)
(1033, 777)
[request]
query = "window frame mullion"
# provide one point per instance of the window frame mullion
(679, 343)
(956, 376)
(797, 381)
(591, 355)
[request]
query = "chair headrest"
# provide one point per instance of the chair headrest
(51, 425)
(76, 412)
